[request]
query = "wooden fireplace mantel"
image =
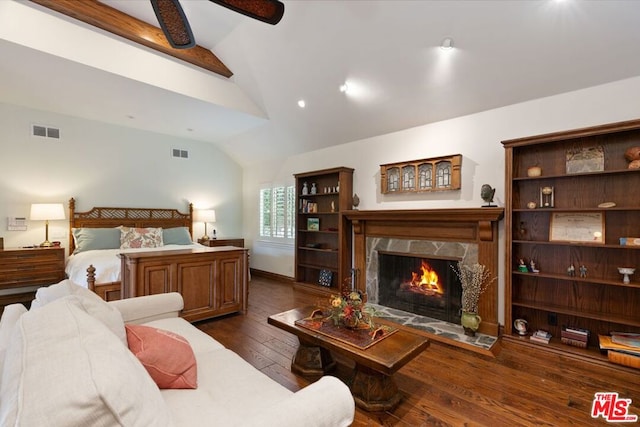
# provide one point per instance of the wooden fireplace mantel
(467, 225)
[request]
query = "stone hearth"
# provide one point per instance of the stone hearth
(470, 235)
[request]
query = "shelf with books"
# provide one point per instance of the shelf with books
(323, 239)
(553, 183)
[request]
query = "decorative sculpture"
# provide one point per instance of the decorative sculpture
(487, 192)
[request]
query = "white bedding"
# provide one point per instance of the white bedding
(106, 262)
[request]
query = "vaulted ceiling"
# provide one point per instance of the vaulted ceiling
(505, 52)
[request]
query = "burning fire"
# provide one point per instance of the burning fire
(427, 283)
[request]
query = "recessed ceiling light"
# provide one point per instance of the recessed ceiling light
(447, 44)
(344, 88)
(302, 104)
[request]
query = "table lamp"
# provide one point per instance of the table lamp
(46, 212)
(206, 215)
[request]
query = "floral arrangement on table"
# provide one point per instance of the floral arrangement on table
(350, 309)
(474, 280)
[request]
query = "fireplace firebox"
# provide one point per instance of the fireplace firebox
(426, 286)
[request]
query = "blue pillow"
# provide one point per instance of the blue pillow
(88, 239)
(176, 236)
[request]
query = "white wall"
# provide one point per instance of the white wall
(477, 137)
(105, 165)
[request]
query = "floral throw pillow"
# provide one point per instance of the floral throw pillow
(132, 237)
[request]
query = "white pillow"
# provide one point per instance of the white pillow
(63, 367)
(91, 303)
(10, 317)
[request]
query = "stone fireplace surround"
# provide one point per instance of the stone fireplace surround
(470, 234)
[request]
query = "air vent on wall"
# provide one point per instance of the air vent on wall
(182, 154)
(41, 131)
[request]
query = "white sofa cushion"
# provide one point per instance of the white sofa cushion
(10, 317)
(73, 371)
(198, 340)
(229, 389)
(91, 303)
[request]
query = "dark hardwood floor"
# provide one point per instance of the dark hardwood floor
(444, 386)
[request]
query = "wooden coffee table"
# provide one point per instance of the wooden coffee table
(372, 384)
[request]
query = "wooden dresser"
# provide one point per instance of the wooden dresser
(212, 281)
(29, 267)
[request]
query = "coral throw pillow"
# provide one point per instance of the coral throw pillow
(168, 357)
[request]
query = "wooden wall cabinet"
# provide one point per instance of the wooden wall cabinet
(326, 246)
(598, 300)
(212, 281)
(419, 176)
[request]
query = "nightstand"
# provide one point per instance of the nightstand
(28, 267)
(222, 242)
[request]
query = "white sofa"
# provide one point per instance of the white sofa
(65, 362)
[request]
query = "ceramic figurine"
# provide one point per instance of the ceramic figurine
(583, 271)
(522, 267)
(313, 188)
(305, 189)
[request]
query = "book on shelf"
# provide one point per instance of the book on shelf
(575, 334)
(574, 343)
(622, 358)
(540, 336)
(579, 331)
(539, 339)
(606, 343)
(626, 338)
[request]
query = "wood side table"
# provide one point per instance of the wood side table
(222, 242)
(22, 267)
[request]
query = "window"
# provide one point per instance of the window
(425, 173)
(277, 212)
(408, 177)
(443, 174)
(394, 179)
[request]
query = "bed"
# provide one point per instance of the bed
(213, 281)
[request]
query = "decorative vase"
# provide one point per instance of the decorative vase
(534, 171)
(470, 323)
(350, 322)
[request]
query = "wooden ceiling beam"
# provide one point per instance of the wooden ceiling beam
(116, 22)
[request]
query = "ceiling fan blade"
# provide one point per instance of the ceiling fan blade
(269, 11)
(174, 23)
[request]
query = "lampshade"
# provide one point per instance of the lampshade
(47, 211)
(205, 215)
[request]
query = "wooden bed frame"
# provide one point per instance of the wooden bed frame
(106, 217)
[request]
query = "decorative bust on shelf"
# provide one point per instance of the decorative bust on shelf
(487, 193)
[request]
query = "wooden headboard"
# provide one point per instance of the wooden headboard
(128, 217)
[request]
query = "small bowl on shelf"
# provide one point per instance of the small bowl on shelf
(626, 272)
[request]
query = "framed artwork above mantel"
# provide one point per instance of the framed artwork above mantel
(425, 175)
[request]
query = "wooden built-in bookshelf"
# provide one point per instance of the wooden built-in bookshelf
(598, 300)
(323, 238)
